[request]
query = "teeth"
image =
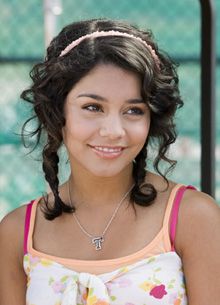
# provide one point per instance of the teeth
(107, 149)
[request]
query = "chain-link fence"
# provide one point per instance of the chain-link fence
(176, 27)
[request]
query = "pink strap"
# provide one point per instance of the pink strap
(27, 224)
(175, 211)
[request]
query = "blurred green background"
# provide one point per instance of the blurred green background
(176, 27)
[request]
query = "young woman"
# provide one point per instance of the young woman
(114, 232)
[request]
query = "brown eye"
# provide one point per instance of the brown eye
(136, 111)
(92, 108)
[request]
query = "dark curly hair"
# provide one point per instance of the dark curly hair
(56, 76)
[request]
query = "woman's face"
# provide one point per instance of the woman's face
(107, 122)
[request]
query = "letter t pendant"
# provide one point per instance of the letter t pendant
(98, 242)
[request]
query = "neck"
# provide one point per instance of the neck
(92, 191)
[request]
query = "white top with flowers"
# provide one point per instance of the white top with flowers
(150, 276)
(157, 280)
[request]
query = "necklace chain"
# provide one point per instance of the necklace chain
(98, 240)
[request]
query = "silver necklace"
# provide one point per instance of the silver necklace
(98, 240)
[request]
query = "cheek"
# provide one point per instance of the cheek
(78, 129)
(140, 132)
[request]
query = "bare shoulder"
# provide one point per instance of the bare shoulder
(200, 198)
(15, 217)
(12, 229)
(199, 217)
(12, 276)
(199, 207)
(198, 244)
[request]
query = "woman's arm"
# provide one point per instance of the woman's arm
(198, 243)
(12, 276)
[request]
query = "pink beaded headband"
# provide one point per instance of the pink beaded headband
(110, 33)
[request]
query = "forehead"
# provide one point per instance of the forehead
(110, 81)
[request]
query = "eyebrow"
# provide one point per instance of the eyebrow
(102, 99)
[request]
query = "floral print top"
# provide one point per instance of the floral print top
(151, 276)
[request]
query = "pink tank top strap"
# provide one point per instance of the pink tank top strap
(27, 224)
(175, 211)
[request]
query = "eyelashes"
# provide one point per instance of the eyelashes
(92, 108)
(97, 108)
(136, 111)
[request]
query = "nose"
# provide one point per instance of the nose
(112, 128)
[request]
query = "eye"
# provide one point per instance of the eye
(136, 111)
(92, 107)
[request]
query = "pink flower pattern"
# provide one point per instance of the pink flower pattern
(158, 291)
(151, 282)
(58, 286)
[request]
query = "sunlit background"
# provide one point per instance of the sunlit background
(27, 26)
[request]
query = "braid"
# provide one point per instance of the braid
(50, 168)
(139, 172)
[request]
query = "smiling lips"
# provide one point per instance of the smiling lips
(108, 152)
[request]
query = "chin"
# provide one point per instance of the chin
(106, 172)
